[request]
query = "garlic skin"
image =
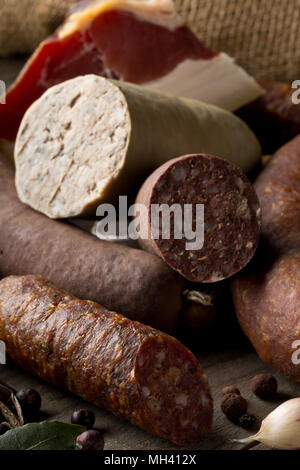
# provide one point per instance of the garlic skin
(281, 428)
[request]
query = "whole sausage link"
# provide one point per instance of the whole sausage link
(135, 371)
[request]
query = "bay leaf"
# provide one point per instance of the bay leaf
(47, 435)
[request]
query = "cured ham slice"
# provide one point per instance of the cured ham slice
(139, 41)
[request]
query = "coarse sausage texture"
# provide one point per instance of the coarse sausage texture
(266, 295)
(126, 280)
(135, 371)
(225, 236)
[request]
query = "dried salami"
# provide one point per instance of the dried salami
(266, 295)
(135, 371)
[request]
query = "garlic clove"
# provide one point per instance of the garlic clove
(281, 428)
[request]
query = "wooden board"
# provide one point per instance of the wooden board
(223, 351)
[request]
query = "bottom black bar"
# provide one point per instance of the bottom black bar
(140, 459)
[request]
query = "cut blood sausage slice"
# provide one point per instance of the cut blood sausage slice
(139, 41)
(231, 217)
(132, 282)
(88, 140)
(136, 372)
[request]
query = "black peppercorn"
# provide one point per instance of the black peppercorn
(30, 401)
(90, 440)
(247, 421)
(83, 418)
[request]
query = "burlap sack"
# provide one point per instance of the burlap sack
(261, 34)
(25, 23)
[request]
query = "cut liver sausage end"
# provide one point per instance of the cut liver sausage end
(71, 146)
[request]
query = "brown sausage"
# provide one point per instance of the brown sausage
(274, 118)
(136, 372)
(231, 217)
(266, 296)
(130, 281)
(198, 316)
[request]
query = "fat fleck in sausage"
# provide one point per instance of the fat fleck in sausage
(135, 371)
(231, 217)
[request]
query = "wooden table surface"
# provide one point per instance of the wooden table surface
(224, 352)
